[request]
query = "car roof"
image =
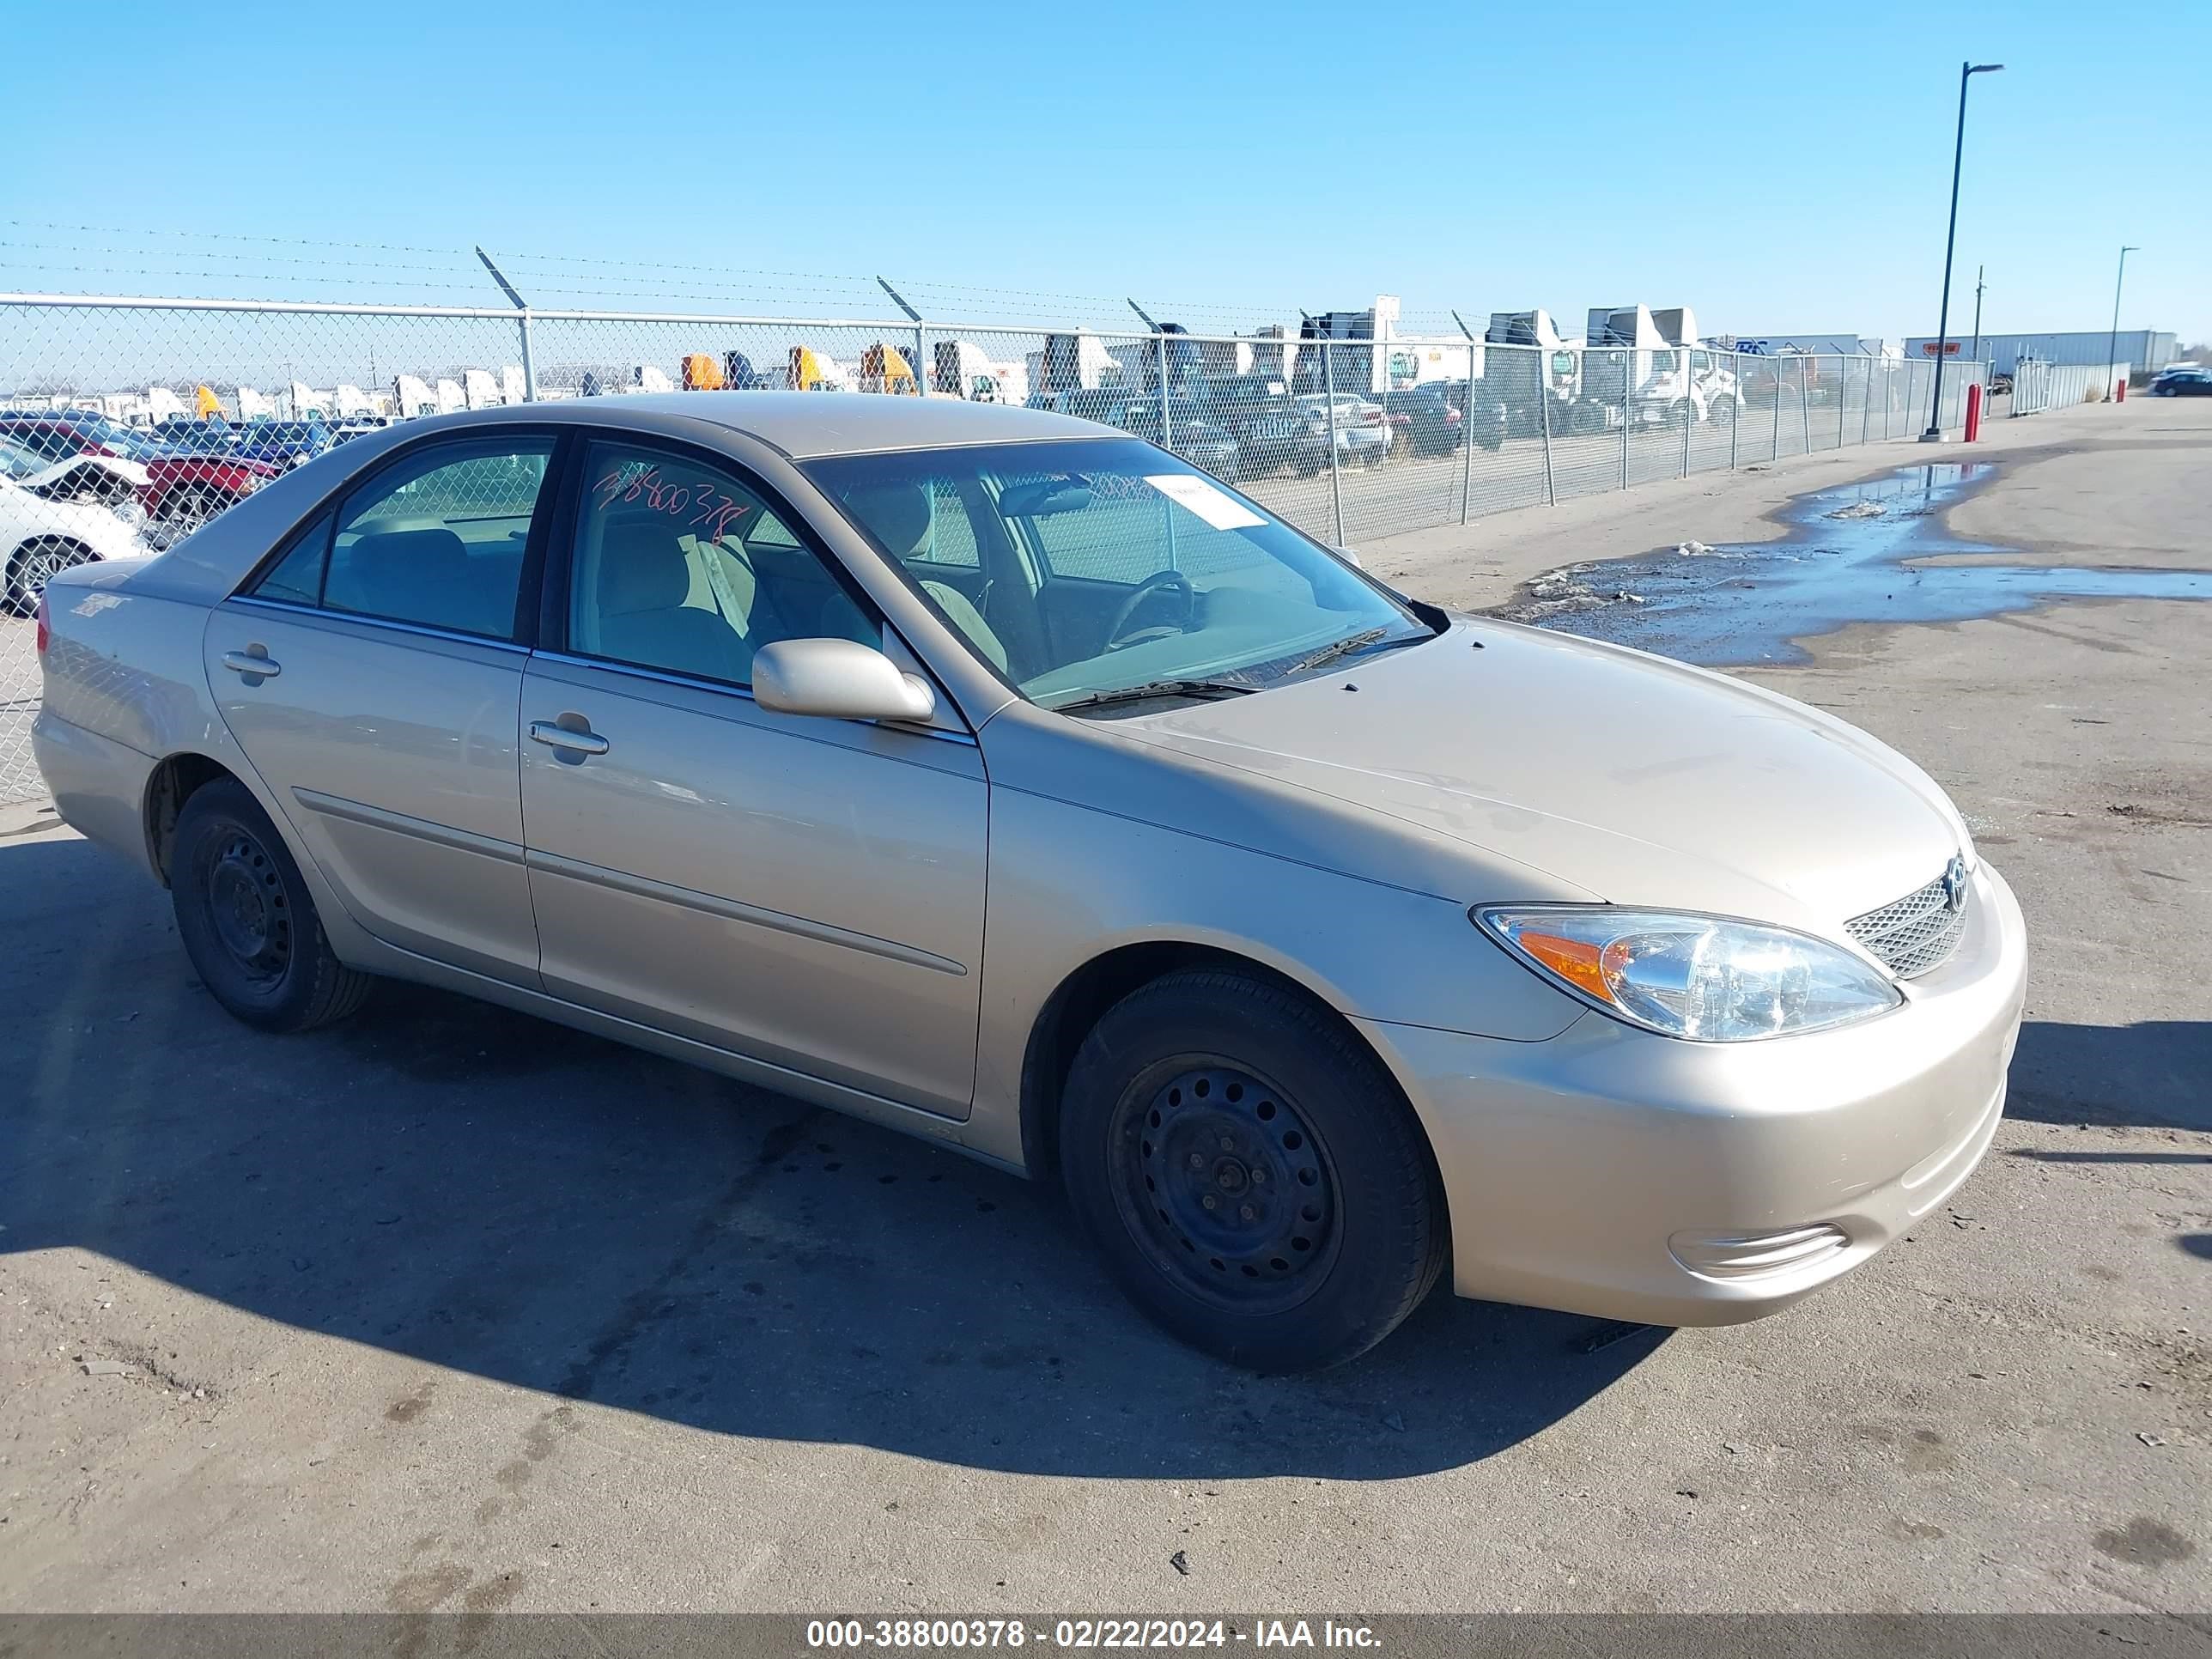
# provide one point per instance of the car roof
(810, 424)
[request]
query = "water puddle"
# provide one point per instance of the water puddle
(1844, 562)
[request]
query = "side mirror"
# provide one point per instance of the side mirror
(838, 679)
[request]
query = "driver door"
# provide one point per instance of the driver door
(807, 892)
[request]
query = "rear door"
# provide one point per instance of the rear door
(372, 675)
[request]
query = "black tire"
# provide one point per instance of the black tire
(37, 561)
(247, 920)
(1338, 1226)
(1722, 412)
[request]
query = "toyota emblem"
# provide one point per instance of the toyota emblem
(1955, 885)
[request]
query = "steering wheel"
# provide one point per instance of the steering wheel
(1160, 581)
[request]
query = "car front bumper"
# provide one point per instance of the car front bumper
(1614, 1172)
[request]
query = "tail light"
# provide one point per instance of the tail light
(45, 625)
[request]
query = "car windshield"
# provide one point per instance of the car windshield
(1098, 566)
(135, 445)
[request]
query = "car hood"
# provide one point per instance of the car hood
(129, 472)
(1640, 780)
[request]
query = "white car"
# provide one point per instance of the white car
(54, 514)
(1363, 429)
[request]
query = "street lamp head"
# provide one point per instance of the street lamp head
(1983, 69)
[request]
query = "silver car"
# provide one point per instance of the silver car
(999, 777)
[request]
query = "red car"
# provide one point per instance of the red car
(180, 484)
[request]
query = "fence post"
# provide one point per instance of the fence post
(1735, 406)
(1627, 409)
(1467, 431)
(924, 374)
(529, 362)
(1843, 394)
(1689, 409)
(1328, 401)
(1167, 432)
(1774, 452)
(1866, 402)
(1804, 406)
(1544, 414)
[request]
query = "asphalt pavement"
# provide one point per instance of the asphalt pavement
(448, 1310)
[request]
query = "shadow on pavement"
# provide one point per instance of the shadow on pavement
(489, 1192)
(2155, 1073)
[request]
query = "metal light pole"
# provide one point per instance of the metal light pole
(2112, 343)
(1975, 355)
(1967, 72)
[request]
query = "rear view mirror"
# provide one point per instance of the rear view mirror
(838, 679)
(1044, 497)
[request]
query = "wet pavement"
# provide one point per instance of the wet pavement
(1847, 559)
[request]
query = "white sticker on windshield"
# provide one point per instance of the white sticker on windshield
(1222, 511)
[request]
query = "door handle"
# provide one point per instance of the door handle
(251, 663)
(560, 736)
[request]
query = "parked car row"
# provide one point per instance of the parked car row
(194, 468)
(56, 514)
(2182, 380)
(1248, 426)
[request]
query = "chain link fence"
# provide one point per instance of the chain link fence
(125, 423)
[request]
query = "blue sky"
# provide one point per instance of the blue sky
(1777, 166)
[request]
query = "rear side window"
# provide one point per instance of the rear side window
(439, 539)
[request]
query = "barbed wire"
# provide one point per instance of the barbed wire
(550, 278)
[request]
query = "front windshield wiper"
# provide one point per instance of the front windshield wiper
(1151, 689)
(1366, 637)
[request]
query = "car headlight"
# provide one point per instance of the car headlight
(1701, 978)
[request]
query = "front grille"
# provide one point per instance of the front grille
(1915, 933)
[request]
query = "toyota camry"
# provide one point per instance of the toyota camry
(1007, 780)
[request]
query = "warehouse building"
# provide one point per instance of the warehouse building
(2146, 350)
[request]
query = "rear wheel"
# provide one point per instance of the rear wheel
(1255, 1182)
(247, 920)
(37, 562)
(1722, 411)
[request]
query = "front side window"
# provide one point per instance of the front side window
(680, 567)
(1105, 565)
(438, 539)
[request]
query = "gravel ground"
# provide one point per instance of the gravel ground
(449, 1310)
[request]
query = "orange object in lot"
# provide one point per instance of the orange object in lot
(702, 372)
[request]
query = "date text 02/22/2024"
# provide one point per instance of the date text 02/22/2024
(1083, 1634)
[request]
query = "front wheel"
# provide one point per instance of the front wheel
(1256, 1184)
(247, 920)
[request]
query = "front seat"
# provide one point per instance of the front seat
(644, 579)
(899, 513)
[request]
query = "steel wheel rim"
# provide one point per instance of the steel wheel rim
(1189, 1131)
(247, 910)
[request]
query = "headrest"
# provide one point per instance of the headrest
(897, 514)
(432, 553)
(641, 564)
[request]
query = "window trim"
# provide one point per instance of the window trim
(559, 574)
